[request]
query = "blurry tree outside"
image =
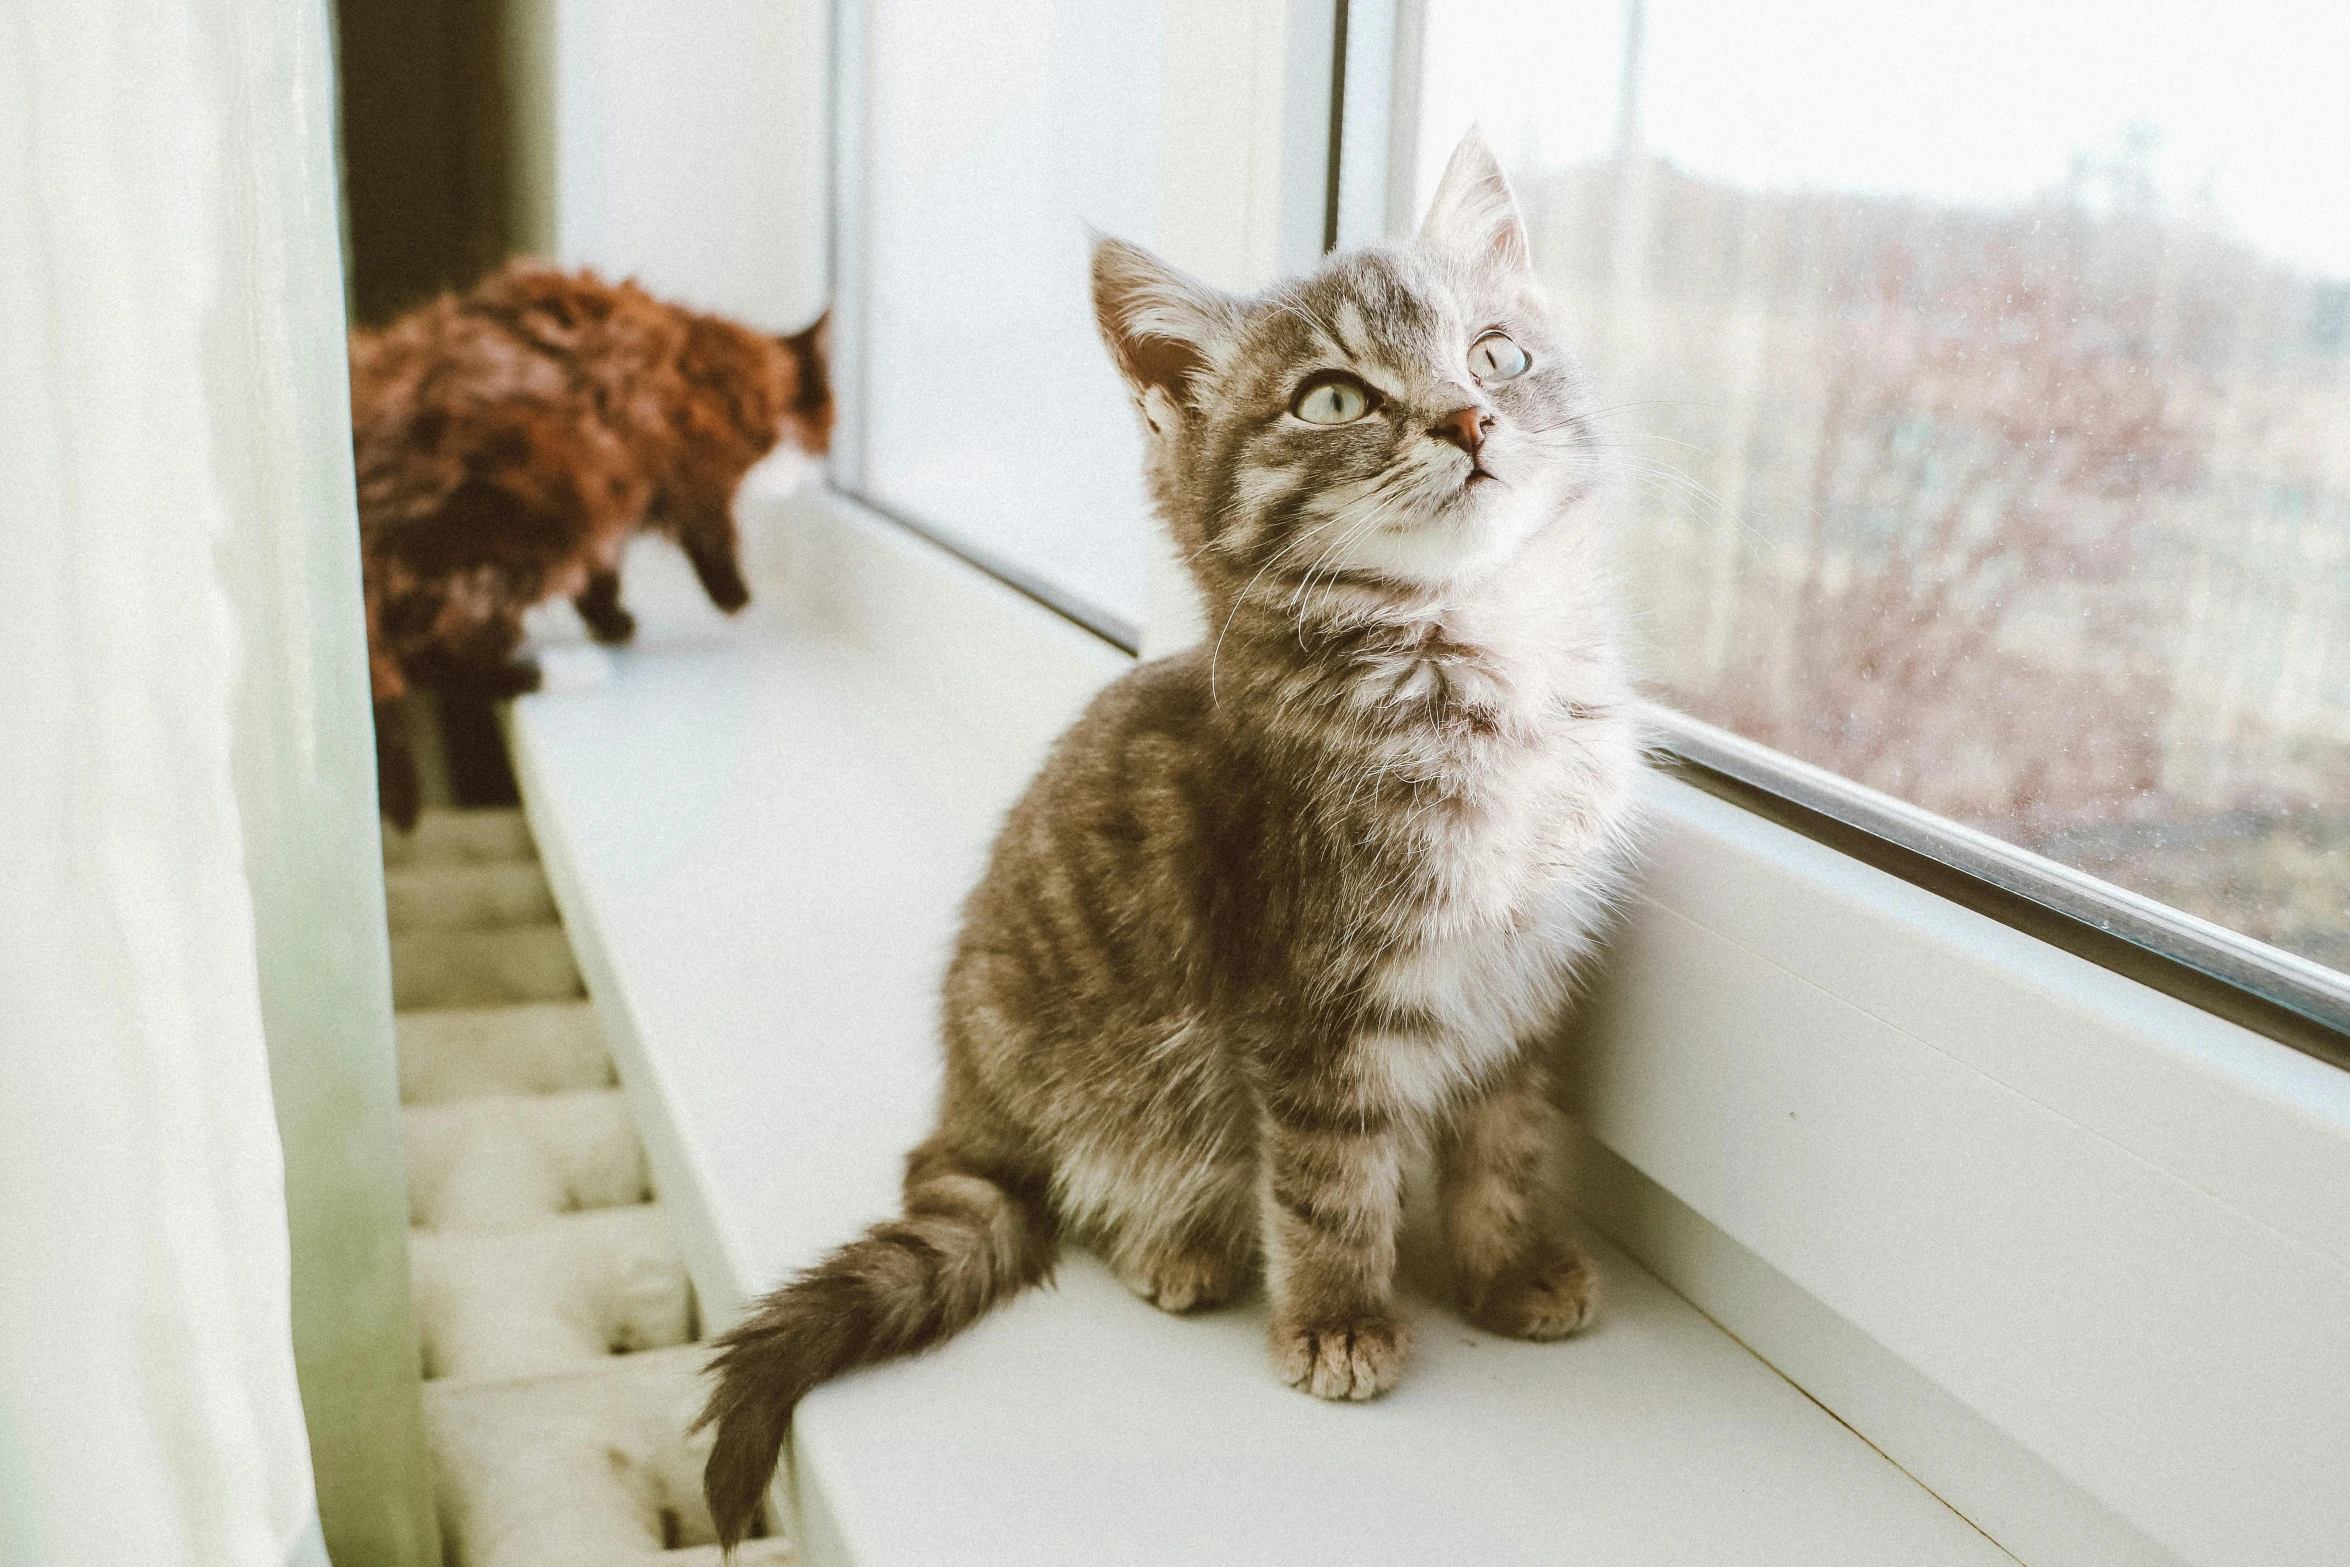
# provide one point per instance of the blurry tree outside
(2034, 514)
(1968, 449)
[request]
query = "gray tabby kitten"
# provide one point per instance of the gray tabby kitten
(1284, 906)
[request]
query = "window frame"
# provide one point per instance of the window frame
(2272, 992)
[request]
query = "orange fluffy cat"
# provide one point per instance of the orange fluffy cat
(511, 438)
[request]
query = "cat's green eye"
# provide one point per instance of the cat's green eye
(1495, 358)
(1332, 399)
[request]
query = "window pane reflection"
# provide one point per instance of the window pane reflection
(1982, 385)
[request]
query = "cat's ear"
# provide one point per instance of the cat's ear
(1161, 326)
(1474, 213)
(813, 340)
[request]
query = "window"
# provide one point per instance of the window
(988, 138)
(1985, 422)
(1939, 1174)
(1982, 422)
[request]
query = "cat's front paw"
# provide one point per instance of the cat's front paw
(723, 581)
(612, 625)
(1354, 1360)
(1544, 1300)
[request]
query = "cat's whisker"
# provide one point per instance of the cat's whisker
(1242, 596)
(1688, 488)
(1333, 553)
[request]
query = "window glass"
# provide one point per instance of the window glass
(994, 132)
(1981, 381)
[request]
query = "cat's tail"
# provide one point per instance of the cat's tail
(966, 1242)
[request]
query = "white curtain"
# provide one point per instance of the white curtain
(148, 1406)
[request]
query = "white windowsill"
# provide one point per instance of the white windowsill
(1892, 1176)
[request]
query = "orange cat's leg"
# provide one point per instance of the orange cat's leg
(473, 650)
(399, 792)
(709, 539)
(599, 605)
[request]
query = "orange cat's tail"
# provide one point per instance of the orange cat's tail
(966, 1242)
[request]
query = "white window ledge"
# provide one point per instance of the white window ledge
(2074, 1254)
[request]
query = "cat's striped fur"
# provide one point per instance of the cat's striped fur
(1285, 906)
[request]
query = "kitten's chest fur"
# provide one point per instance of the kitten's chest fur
(1474, 807)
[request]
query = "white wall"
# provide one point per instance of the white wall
(683, 146)
(990, 137)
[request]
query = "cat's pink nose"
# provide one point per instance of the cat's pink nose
(1465, 427)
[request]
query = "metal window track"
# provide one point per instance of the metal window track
(2264, 988)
